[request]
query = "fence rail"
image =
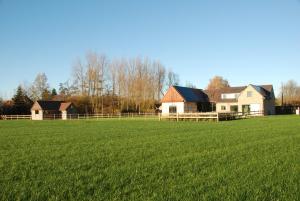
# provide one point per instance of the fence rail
(113, 116)
(216, 116)
(14, 117)
(194, 116)
(85, 116)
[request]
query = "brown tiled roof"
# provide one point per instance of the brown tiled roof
(58, 98)
(215, 96)
(64, 106)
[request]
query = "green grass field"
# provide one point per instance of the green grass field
(255, 159)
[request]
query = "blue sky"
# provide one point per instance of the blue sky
(255, 41)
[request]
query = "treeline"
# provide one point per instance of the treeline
(289, 94)
(100, 85)
(20, 104)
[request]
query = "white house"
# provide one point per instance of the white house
(252, 98)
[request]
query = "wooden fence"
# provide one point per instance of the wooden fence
(191, 116)
(214, 116)
(14, 117)
(113, 116)
(85, 116)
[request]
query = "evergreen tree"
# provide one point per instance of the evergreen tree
(1, 105)
(53, 93)
(22, 102)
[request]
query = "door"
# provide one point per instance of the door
(246, 109)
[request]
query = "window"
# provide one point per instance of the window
(223, 107)
(249, 94)
(189, 108)
(172, 109)
(234, 108)
(230, 96)
(36, 112)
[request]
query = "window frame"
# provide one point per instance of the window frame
(236, 108)
(249, 94)
(172, 109)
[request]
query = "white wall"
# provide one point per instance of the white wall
(227, 105)
(64, 115)
(179, 105)
(256, 107)
(38, 116)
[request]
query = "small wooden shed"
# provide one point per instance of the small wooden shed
(52, 110)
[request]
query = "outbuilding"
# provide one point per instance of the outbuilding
(52, 110)
(184, 100)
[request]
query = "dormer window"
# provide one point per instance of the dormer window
(249, 94)
(230, 96)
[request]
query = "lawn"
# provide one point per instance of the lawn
(255, 159)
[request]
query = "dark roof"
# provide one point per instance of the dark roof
(191, 94)
(264, 90)
(50, 105)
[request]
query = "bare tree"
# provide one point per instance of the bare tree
(217, 82)
(134, 84)
(79, 77)
(190, 85)
(173, 78)
(40, 87)
(290, 92)
(96, 69)
(160, 76)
